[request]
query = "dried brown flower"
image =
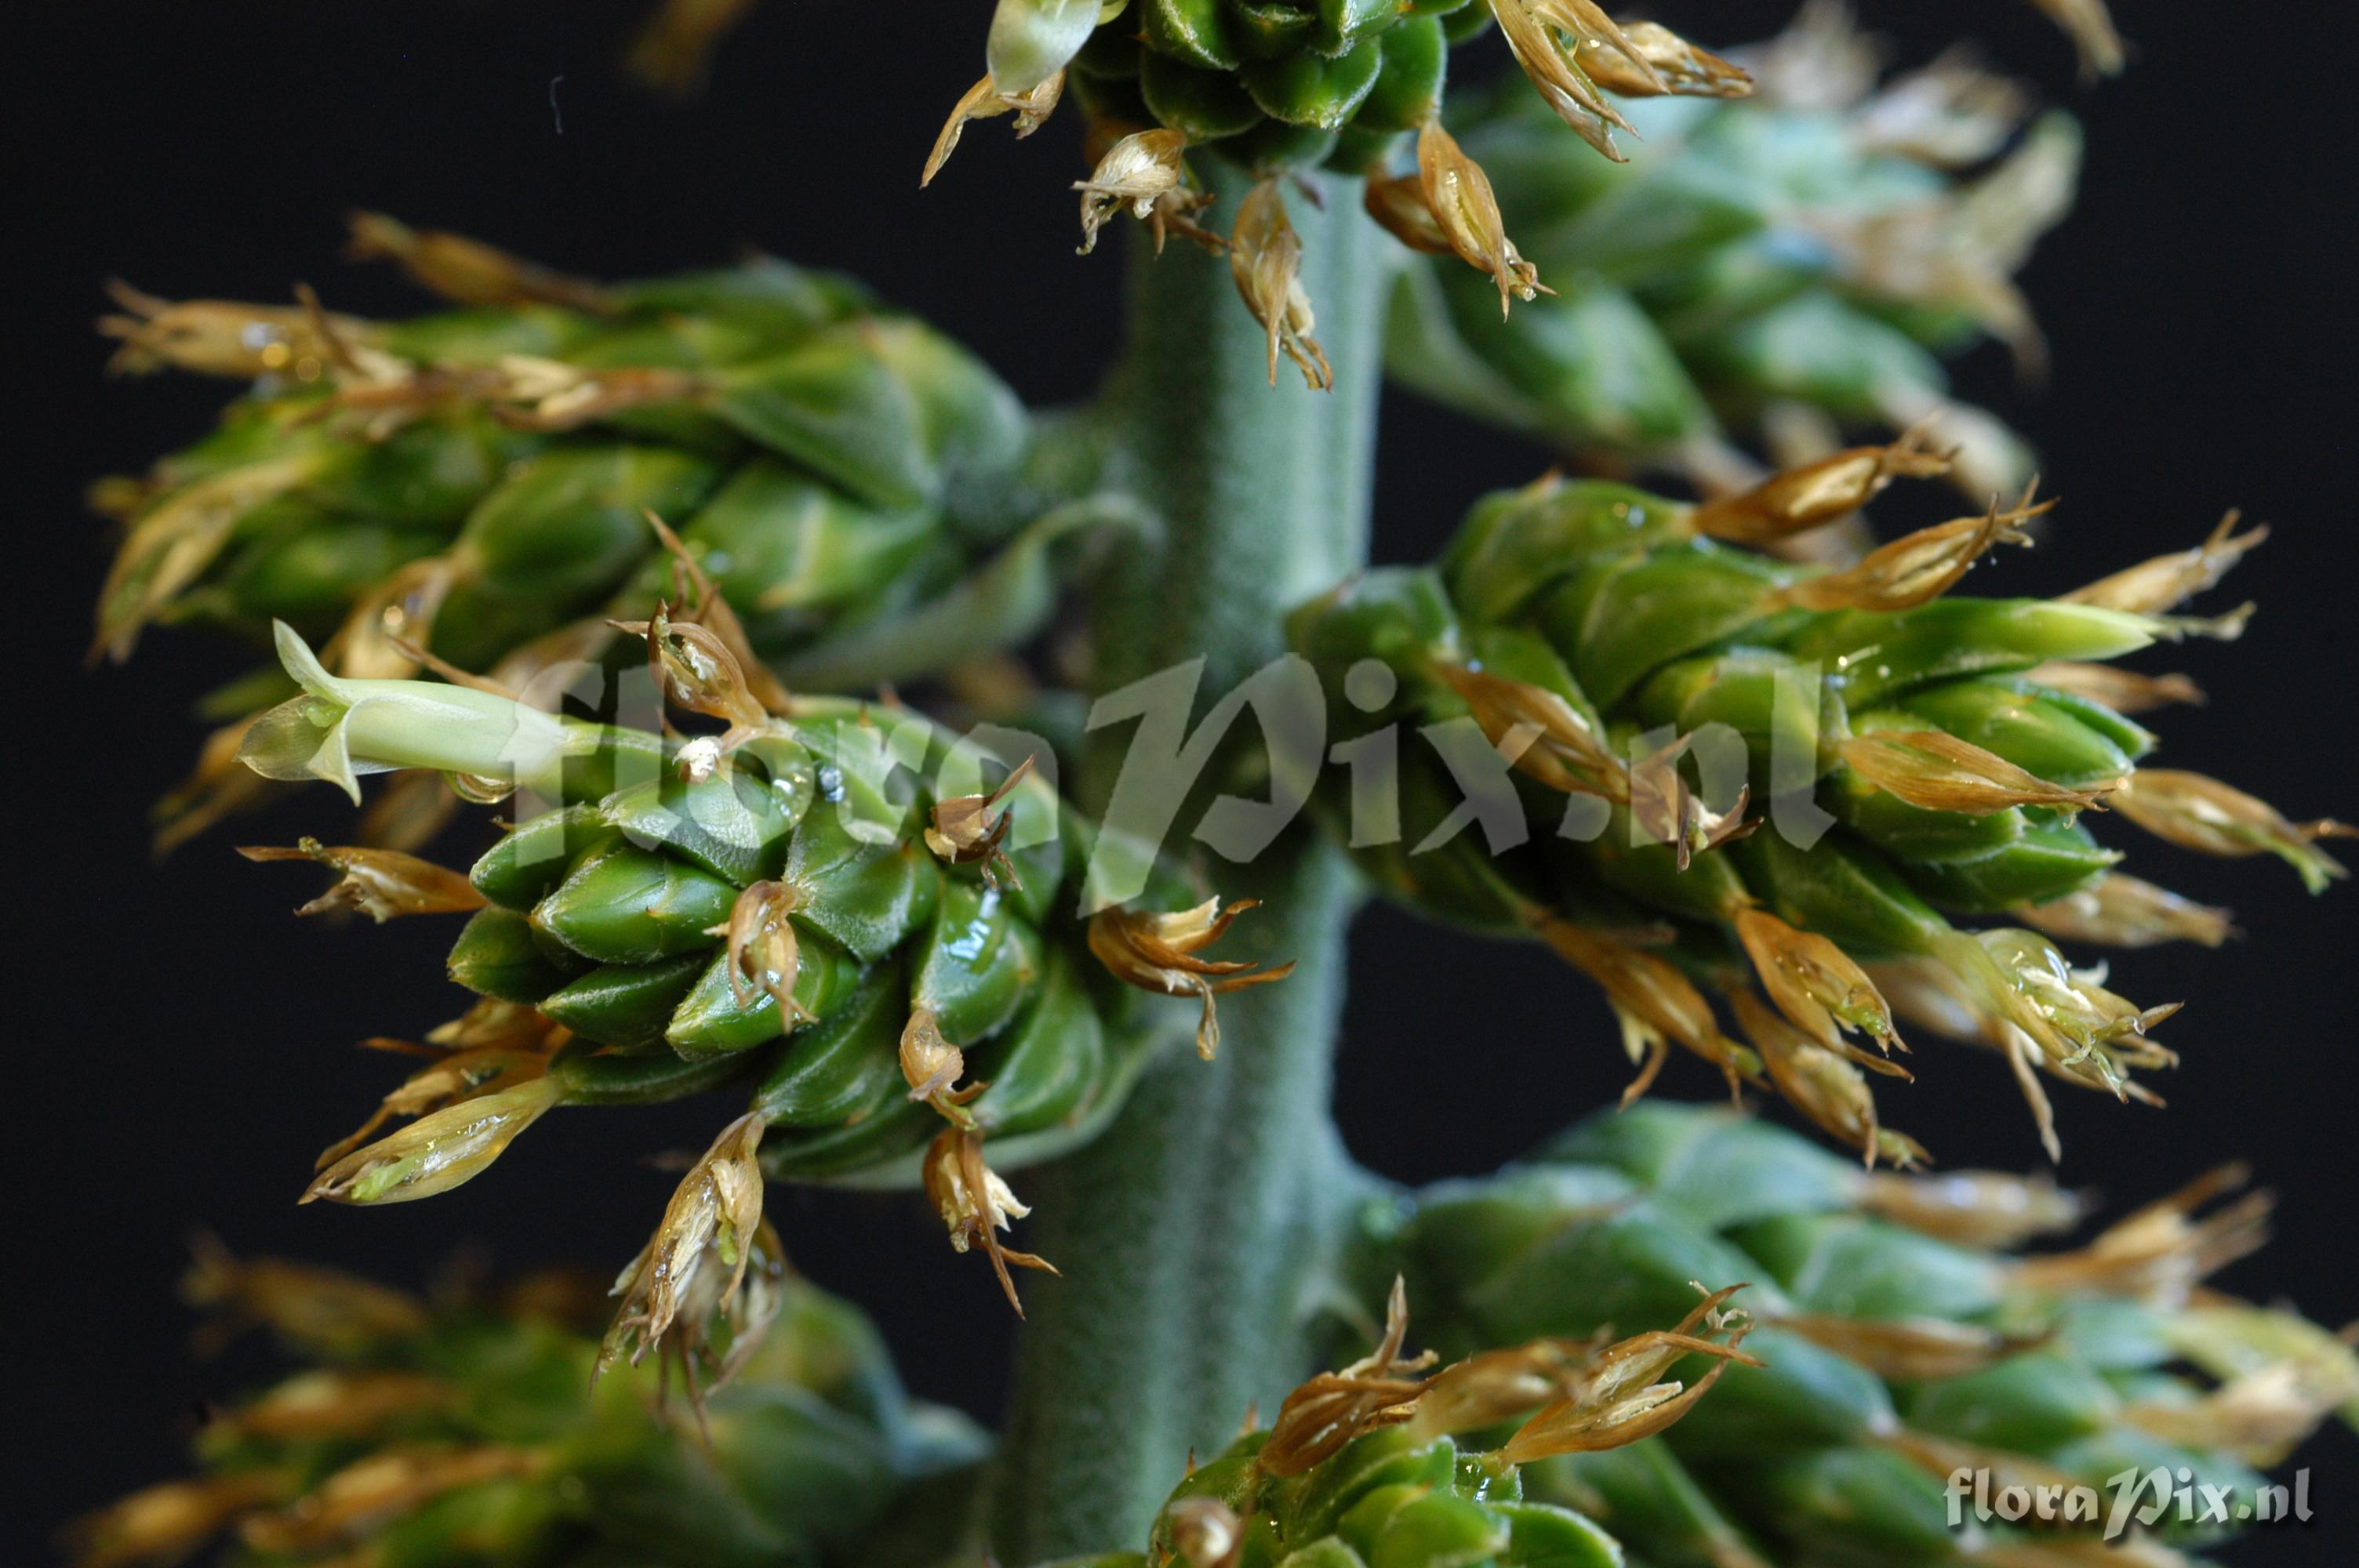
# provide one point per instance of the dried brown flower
(380, 884)
(1157, 952)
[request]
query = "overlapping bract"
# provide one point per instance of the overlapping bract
(1378, 1462)
(1901, 1334)
(1692, 769)
(825, 906)
(476, 484)
(467, 1430)
(1764, 268)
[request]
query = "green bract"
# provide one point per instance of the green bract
(1902, 1336)
(477, 483)
(1728, 768)
(830, 911)
(1813, 250)
(469, 1432)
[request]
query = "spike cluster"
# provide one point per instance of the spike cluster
(1768, 270)
(468, 1431)
(471, 490)
(1375, 1464)
(758, 909)
(1900, 1334)
(1694, 770)
(1279, 89)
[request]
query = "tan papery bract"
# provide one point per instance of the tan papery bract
(1917, 568)
(1673, 65)
(976, 1204)
(1985, 1210)
(1324, 1414)
(370, 1493)
(963, 832)
(2109, 685)
(166, 1523)
(982, 102)
(1618, 1401)
(2119, 911)
(1905, 1350)
(324, 1311)
(2212, 818)
(1563, 85)
(2161, 1253)
(765, 952)
(2090, 27)
(1936, 771)
(225, 337)
(333, 1402)
(1266, 261)
(1655, 1001)
(438, 1151)
(1822, 1085)
(2164, 583)
(1136, 172)
(468, 271)
(458, 1076)
(1539, 733)
(379, 884)
(1465, 212)
(692, 1269)
(1816, 493)
(1818, 988)
(674, 48)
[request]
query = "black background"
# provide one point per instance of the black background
(180, 1045)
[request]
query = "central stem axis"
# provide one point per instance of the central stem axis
(1198, 1230)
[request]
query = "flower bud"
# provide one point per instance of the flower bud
(1935, 771)
(976, 1204)
(2165, 582)
(1324, 1414)
(692, 1271)
(1666, 63)
(436, 1152)
(468, 271)
(2214, 818)
(1265, 260)
(1466, 215)
(1919, 567)
(1817, 493)
(2119, 911)
(1822, 1085)
(2125, 691)
(1817, 985)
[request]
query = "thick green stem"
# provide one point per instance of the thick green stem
(1198, 1232)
